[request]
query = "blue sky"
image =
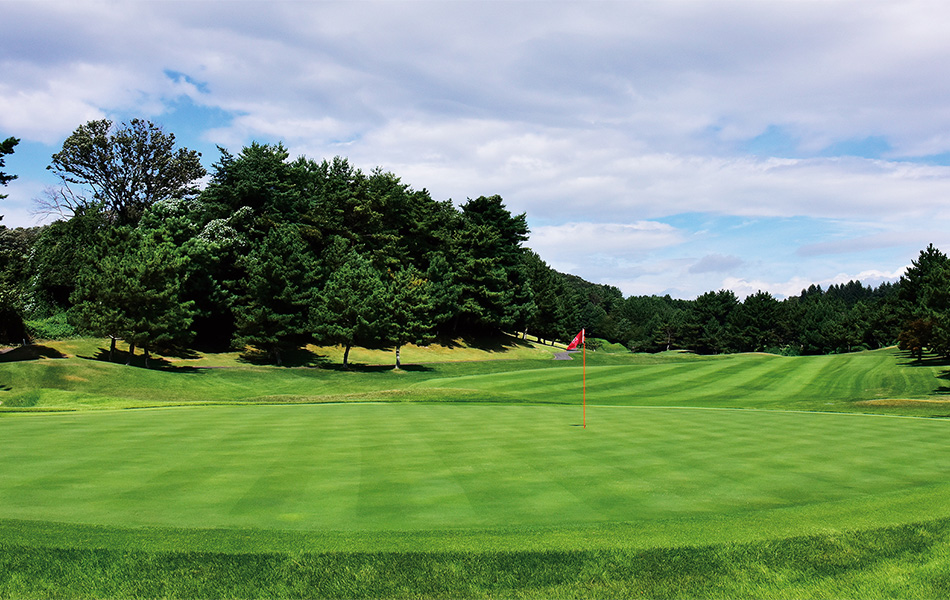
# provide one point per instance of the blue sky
(674, 146)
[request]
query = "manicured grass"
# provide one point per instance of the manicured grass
(880, 382)
(696, 476)
(333, 469)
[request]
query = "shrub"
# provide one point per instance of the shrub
(54, 327)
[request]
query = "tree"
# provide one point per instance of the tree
(706, 325)
(924, 294)
(261, 180)
(62, 251)
(410, 312)
(494, 284)
(548, 289)
(754, 323)
(133, 292)
(6, 147)
(12, 328)
(915, 336)
(271, 315)
(124, 168)
(444, 292)
(11, 319)
(351, 308)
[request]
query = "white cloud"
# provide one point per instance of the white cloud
(583, 115)
(795, 285)
(615, 240)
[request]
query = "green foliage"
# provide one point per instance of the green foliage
(258, 182)
(916, 336)
(605, 346)
(62, 251)
(134, 291)
(490, 271)
(271, 312)
(55, 327)
(410, 310)
(925, 303)
(351, 309)
(12, 328)
(479, 277)
(16, 246)
(6, 147)
(123, 169)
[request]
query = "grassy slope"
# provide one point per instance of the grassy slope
(573, 556)
(874, 382)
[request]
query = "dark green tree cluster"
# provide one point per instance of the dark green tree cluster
(14, 248)
(271, 255)
(843, 318)
(6, 147)
(924, 304)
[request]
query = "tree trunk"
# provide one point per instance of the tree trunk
(398, 364)
(145, 351)
(346, 357)
(128, 358)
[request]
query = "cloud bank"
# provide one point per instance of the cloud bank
(664, 147)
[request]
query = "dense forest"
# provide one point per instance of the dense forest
(274, 253)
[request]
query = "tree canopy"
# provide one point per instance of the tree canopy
(6, 147)
(123, 169)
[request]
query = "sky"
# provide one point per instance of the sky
(664, 147)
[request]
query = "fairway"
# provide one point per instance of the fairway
(444, 469)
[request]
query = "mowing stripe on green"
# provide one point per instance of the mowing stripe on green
(409, 467)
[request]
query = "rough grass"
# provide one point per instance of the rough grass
(909, 561)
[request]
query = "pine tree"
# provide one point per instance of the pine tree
(271, 313)
(351, 308)
(410, 313)
(134, 293)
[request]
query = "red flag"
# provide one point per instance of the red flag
(578, 340)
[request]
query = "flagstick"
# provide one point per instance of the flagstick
(585, 381)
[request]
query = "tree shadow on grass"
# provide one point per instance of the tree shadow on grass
(30, 352)
(182, 353)
(487, 343)
(155, 362)
(299, 357)
(361, 368)
(929, 360)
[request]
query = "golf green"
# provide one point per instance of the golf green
(454, 467)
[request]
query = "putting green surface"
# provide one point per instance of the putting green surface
(683, 475)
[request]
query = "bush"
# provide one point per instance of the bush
(51, 328)
(608, 347)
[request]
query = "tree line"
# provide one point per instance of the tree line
(274, 253)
